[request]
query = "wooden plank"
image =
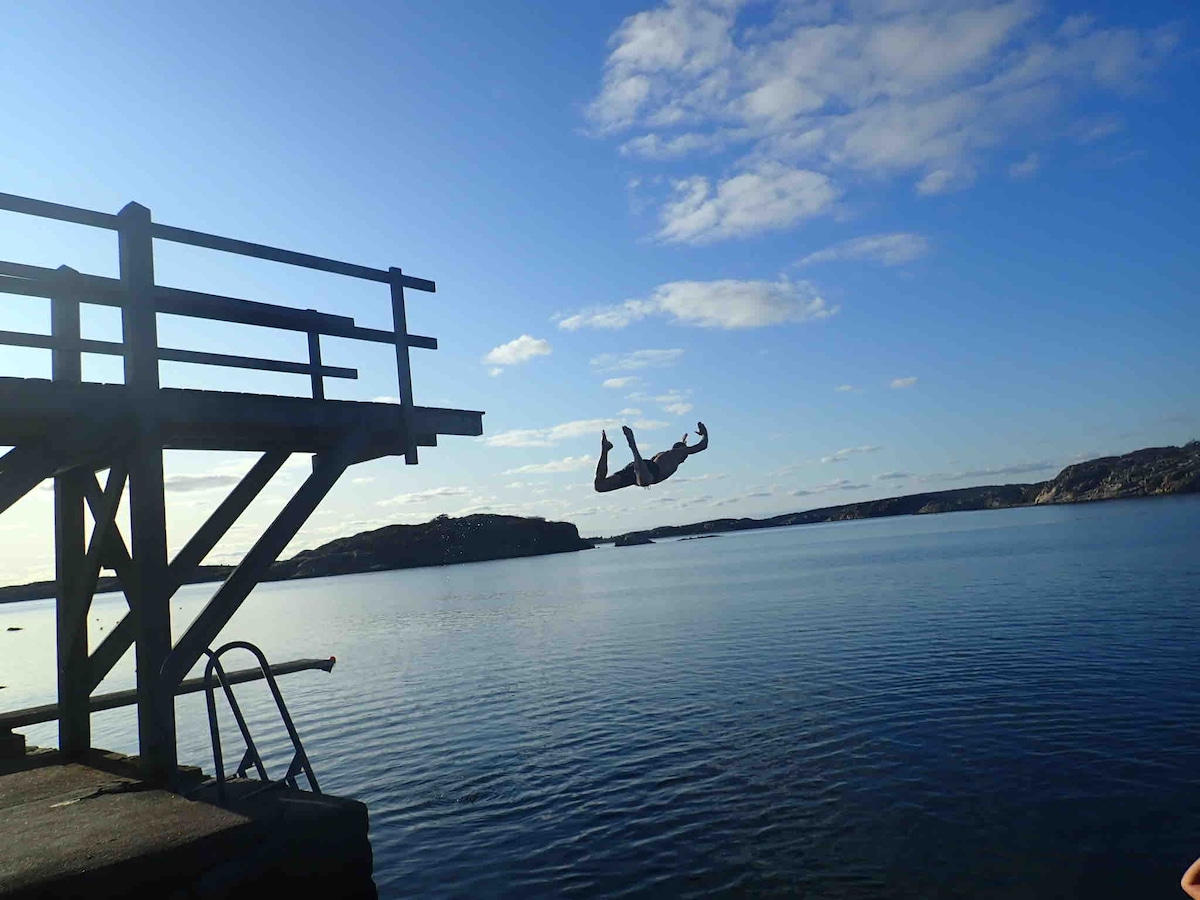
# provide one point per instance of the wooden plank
(222, 518)
(35, 715)
(110, 651)
(403, 367)
(147, 505)
(71, 609)
(327, 469)
(116, 557)
(314, 362)
(279, 255)
(379, 336)
(250, 362)
(25, 467)
(172, 354)
(46, 210)
(179, 302)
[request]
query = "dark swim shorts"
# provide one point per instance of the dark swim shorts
(630, 472)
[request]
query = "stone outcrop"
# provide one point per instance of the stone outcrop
(438, 543)
(1143, 473)
(1151, 472)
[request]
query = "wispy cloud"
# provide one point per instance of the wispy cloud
(427, 496)
(515, 352)
(767, 197)
(847, 452)
(619, 383)
(845, 388)
(1026, 168)
(185, 484)
(566, 464)
(840, 484)
(727, 304)
(888, 249)
(904, 382)
(892, 476)
(548, 437)
(636, 360)
(675, 402)
(809, 97)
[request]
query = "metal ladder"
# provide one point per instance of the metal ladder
(251, 757)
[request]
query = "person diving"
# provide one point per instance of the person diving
(645, 472)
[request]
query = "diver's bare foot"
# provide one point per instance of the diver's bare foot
(605, 443)
(628, 432)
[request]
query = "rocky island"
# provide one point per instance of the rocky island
(1151, 472)
(1154, 471)
(441, 542)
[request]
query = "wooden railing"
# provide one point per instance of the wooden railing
(140, 300)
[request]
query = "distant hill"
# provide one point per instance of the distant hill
(1151, 472)
(443, 541)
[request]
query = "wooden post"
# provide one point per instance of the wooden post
(314, 360)
(147, 504)
(403, 368)
(74, 721)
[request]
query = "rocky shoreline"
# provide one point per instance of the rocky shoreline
(1151, 472)
(441, 542)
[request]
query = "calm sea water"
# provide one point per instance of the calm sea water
(994, 704)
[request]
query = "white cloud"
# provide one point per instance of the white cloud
(892, 476)
(426, 496)
(515, 352)
(637, 359)
(1026, 168)
(183, 484)
(806, 94)
(768, 197)
(845, 388)
(566, 464)
(630, 411)
(675, 402)
(727, 304)
(942, 181)
(548, 437)
(889, 249)
(904, 382)
(617, 383)
(846, 452)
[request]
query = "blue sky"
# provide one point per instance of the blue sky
(878, 248)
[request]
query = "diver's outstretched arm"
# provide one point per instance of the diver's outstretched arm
(703, 442)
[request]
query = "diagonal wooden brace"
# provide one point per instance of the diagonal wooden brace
(328, 467)
(121, 638)
(83, 586)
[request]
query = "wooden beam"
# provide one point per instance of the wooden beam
(403, 367)
(25, 467)
(147, 507)
(45, 210)
(327, 468)
(35, 715)
(231, 508)
(178, 302)
(251, 362)
(111, 649)
(170, 354)
(276, 254)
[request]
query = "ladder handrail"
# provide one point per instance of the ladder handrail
(252, 756)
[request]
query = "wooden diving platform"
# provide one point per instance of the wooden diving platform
(31, 409)
(72, 430)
